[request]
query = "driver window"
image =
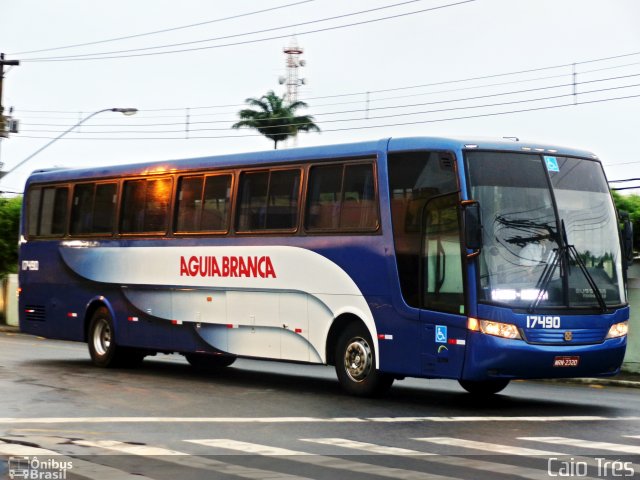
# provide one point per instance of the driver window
(415, 178)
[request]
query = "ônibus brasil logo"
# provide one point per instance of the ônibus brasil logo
(231, 266)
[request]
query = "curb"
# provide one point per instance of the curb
(605, 382)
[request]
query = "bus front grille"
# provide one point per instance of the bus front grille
(584, 336)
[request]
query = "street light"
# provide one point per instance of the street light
(124, 111)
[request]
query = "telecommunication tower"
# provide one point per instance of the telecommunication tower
(293, 63)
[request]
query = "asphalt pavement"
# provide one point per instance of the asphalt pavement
(622, 379)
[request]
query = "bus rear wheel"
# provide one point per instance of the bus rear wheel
(103, 349)
(207, 362)
(485, 387)
(355, 362)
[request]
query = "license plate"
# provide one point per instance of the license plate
(566, 361)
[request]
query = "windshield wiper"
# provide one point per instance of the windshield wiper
(564, 253)
(545, 278)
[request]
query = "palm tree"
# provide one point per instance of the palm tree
(274, 119)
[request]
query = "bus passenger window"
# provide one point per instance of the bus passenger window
(82, 209)
(47, 211)
(93, 208)
(215, 204)
(145, 205)
(252, 198)
(342, 197)
(189, 204)
(104, 207)
(282, 208)
(268, 200)
(33, 210)
(324, 198)
(358, 207)
(203, 203)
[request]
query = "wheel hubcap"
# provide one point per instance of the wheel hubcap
(358, 359)
(102, 337)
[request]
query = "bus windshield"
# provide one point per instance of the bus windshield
(550, 237)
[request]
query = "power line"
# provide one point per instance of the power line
(626, 188)
(440, 102)
(108, 56)
(272, 29)
(172, 29)
(417, 122)
(75, 112)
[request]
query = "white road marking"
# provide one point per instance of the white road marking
(489, 448)
(514, 471)
(86, 420)
(575, 442)
(186, 460)
(367, 447)
(80, 468)
(321, 461)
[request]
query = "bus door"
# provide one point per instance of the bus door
(442, 309)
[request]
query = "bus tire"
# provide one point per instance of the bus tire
(104, 351)
(207, 362)
(355, 362)
(484, 387)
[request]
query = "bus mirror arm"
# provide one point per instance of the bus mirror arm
(472, 226)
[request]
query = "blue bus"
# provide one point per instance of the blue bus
(473, 260)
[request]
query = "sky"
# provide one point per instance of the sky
(562, 72)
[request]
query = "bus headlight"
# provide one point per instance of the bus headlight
(497, 329)
(618, 330)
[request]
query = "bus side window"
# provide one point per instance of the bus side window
(145, 205)
(189, 203)
(268, 200)
(47, 211)
(33, 210)
(93, 208)
(203, 203)
(342, 198)
(324, 198)
(215, 203)
(104, 208)
(358, 207)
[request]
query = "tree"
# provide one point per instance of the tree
(631, 205)
(274, 119)
(9, 231)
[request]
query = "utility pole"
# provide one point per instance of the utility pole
(9, 63)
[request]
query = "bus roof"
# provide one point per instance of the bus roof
(324, 152)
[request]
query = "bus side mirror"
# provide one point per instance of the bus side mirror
(627, 237)
(472, 225)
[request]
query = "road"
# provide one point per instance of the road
(265, 420)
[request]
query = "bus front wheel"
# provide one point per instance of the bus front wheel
(355, 360)
(102, 345)
(485, 387)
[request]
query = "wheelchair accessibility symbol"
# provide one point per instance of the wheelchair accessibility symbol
(441, 334)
